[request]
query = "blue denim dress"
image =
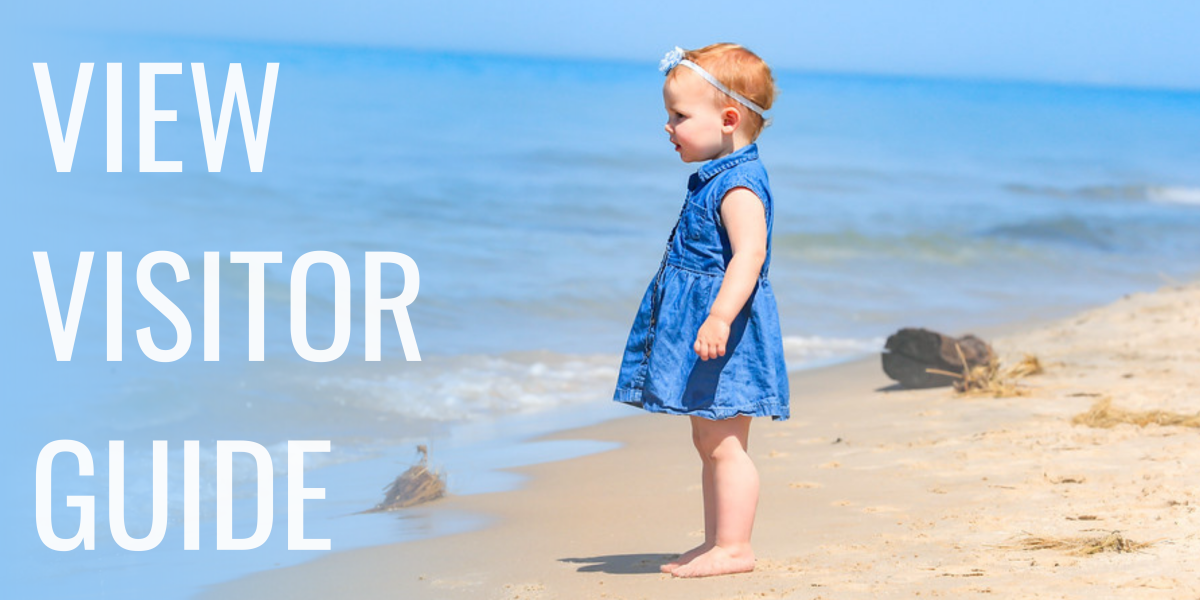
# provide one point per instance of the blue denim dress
(660, 371)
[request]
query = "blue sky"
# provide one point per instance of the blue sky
(1107, 42)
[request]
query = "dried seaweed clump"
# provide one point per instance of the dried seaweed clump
(991, 379)
(1082, 546)
(417, 485)
(1103, 415)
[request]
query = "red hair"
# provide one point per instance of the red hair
(741, 71)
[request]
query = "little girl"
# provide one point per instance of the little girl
(706, 341)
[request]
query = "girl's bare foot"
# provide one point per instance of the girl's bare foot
(717, 561)
(685, 558)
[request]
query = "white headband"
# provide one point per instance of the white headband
(675, 57)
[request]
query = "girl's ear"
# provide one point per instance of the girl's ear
(730, 119)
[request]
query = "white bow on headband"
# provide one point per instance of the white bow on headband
(675, 58)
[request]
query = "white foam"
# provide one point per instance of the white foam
(799, 350)
(1174, 194)
(467, 387)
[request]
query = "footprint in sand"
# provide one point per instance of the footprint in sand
(841, 503)
(524, 591)
(813, 440)
(1153, 583)
(880, 509)
(454, 584)
(804, 485)
(830, 465)
(1064, 480)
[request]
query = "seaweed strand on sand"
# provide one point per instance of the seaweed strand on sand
(1082, 546)
(1102, 415)
(417, 485)
(991, 379)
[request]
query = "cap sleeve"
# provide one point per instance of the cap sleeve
(736, 178)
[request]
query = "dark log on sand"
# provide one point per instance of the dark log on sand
(910, 353)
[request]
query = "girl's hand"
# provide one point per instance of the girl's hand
(710, 341)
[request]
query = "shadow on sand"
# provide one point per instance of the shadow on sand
(621, 564)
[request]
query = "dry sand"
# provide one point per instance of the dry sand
(866, 492)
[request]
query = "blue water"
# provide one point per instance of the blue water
(535, 195)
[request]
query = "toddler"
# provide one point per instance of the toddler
(706, 342)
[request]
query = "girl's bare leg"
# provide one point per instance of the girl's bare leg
(710, 505)
(734, 499)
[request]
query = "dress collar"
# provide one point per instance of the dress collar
(713, 167)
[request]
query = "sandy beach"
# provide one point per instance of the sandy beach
(868, 492)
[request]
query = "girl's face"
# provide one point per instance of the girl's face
(699, 128)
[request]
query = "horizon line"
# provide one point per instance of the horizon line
(985, 79)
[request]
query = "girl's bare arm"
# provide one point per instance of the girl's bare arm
(746, 223)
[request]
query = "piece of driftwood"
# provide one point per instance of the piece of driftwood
(911, 353)
(417, 485)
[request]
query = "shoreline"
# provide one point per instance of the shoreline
(866, 492)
